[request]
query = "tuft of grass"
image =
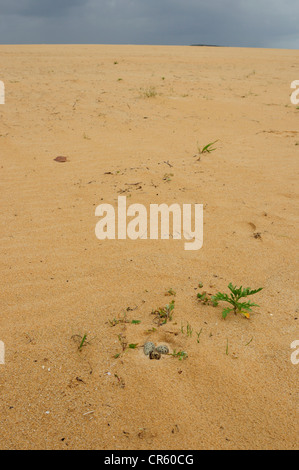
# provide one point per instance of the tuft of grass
(189, 330)
(198, 335)
(167, 177)
(116, 321)
(249, 342)
(163, 315)
(206, 149)
(150, 92)
(124, 345)
(203, 297)
(180, 355)
(123, 320)
(83, 342)
(151, 330)
(170, 292)
(236, 294)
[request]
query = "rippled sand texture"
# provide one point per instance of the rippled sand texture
(129, 120)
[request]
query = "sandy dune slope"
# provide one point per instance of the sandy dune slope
(129, 119)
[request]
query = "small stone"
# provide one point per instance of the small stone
(60, 159)
(148, 348)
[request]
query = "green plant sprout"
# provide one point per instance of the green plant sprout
(180, 355)
(167, 177)
(170, 292)
(249, 342)
(198, 335)
(203, 297)
(236, 293)
(164, 314)
(123, 320)
(82, 343)
(189, 330)
(81, 340)
(207, 148)
(151, 330)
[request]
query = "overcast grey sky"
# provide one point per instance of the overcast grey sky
(252, 23)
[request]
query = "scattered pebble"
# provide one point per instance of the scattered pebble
(60, 159)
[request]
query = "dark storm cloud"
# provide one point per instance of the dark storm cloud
(256, 23)
(37, 8)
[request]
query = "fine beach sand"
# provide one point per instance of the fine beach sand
(58, 281)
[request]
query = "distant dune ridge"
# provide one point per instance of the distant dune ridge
(205, 45)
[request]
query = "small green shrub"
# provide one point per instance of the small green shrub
(162, 315)
(236, 293)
